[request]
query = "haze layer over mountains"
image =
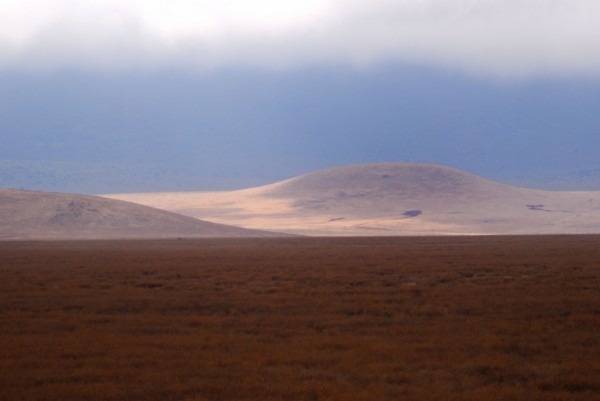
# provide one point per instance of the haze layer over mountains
(388, 199)
(147, 96)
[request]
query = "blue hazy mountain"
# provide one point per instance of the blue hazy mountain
(170, 130)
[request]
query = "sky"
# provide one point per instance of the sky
(106, 95)
(502, 38)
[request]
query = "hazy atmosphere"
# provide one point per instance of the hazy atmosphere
(245, 200)
(109, 96)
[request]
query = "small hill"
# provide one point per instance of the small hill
(395, 179)
(390, 199)
(383, 187)
(44, 215)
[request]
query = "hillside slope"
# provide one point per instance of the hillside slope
(44, 215)
(389, 199)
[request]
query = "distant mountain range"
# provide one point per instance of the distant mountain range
(389, 199)
(169, 131)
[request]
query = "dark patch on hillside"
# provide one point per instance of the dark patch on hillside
(412, 213)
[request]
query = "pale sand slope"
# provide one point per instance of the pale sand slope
(388, 199)
(43, 215)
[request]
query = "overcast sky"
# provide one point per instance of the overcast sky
(502, 38)
(128, 95)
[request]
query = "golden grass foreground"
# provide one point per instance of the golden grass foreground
(446, 318)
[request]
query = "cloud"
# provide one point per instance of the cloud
(504, 38)
(498, 37)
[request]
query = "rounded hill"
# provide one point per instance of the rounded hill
(45, 215)
(387, 179)
(393, 189)
(390, 199)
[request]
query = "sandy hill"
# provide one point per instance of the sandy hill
(43, 215)
(389, 199)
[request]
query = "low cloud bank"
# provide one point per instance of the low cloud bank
(501, 38)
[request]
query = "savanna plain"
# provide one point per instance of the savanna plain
(421, 318)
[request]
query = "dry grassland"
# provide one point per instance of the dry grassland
(447, 318)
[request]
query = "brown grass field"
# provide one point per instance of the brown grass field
(430, 318)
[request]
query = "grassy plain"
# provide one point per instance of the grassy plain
(431, 318)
